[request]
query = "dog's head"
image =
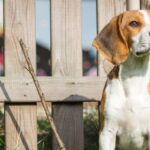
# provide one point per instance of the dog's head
(126, 33)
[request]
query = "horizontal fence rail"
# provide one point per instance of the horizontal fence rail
(66, 88)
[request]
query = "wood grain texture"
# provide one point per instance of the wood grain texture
(20, 126)
(133, 4)
(20, 119)
(145, 4)
(55, 89)
(66, 38)
(19, 24)
(69, 121)
(67, 62)
(106, 9)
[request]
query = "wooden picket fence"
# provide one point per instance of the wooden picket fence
(67, 89)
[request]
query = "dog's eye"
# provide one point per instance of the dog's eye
(134, 24)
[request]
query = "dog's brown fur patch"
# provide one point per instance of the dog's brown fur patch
(114, 73)
(102, 109)
(148, 87)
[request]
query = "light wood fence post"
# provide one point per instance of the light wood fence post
(133, 4)
(67, 62)
(20, 118)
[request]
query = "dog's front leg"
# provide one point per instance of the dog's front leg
(148, 141)
(107, 139)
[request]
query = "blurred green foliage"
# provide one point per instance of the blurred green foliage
(91, 130)
(44, 135)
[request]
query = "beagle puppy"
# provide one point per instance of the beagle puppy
(125, 104)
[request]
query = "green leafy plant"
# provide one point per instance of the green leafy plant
(91, 130)
(2, 142)
(44, 135)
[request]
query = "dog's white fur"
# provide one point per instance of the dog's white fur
(127, 108)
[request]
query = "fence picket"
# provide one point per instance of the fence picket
(145, 4)
(20, 119)
(67, 62)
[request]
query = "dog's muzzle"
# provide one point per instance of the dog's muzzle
(141, 53)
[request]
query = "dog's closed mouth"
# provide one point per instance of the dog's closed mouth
(142, 52)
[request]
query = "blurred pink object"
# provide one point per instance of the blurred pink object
(1, 58)
(41, 72)
(92, 72)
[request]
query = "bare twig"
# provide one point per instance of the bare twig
(41, 94)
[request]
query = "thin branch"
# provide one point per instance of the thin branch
(41, 94)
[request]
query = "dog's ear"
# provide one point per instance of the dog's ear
(111, 43)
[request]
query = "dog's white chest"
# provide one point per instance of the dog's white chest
(128, 104)
(134, 124)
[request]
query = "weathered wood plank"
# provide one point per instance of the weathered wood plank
(19, 23)
(145, 4)
(106, 10)
(20, 125)
(55, 89)
(66, 38)
(134, 4)
(67, 61)
(70, 125)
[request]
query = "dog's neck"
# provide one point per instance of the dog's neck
(135, 67)
(134, 75)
